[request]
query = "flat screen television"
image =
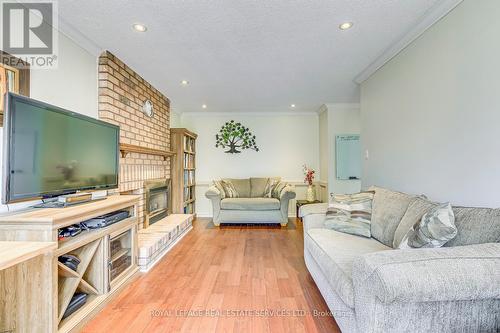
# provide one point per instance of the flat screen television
(49, 151)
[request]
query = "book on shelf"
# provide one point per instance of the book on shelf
(188, 177)
(188, 193)
(188, 161)
(189, 208)
(188, 144)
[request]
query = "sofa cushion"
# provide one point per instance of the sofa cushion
(257, 186)
(250, 204)
(388, 209)
(412, 216)
(476, 226)
(242, 186)
(335, 252)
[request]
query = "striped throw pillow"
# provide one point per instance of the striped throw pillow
(229, 189)
(350, 213)
(268, 190)
(220, 187)
(278, 187)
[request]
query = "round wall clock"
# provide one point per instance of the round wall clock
(147, 108)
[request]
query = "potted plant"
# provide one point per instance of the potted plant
(309, 177)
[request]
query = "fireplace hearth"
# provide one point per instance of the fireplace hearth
(157, 195)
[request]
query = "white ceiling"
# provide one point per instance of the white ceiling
(244, 55)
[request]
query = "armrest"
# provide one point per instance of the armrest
(313, 215)
(318, 208)
(430, 275)
(213, 193)
(215, 197)
(287, 193)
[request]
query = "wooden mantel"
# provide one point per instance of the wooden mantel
(126, 148)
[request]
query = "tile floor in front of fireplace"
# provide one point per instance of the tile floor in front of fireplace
(223, 280)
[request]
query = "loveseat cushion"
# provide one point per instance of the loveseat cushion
(335, 252)
(388, 208)
(257, 186)
(250, 204)
(242, 186)
(476, 226)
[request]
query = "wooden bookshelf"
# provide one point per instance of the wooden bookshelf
(183, 143)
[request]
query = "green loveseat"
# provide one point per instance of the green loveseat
(251, 205)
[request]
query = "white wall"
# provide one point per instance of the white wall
(430, 117)
(336, 119)
(324, 145)
(73, 86)
(175, 119)
(286, 142)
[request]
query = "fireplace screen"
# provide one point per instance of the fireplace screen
(157, 200)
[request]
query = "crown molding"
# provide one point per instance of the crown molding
(80, 39)
(249, 113)
(173, 109)
(322, 108)
(338, 106)
(431, 17)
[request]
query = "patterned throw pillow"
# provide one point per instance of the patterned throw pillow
(268, 190)
(229, 189)
(220, 187)
(276, 190)
(435, 229)
(350, 213)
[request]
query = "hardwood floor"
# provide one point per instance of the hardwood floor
(233, 270)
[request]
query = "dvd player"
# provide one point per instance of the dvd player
(106, 220)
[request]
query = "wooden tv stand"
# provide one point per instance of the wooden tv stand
(34, 297)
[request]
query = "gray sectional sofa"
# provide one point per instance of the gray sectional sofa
(371, 287)
(251, 206)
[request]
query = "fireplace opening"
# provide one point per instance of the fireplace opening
(157, 204)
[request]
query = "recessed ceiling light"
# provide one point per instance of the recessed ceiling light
(346, 25)
(292, 105)
(204, 106)
(184, 82)
(139, 27)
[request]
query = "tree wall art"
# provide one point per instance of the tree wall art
(235, 137)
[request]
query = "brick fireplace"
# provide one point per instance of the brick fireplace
(122, 93)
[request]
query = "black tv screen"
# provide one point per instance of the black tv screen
(50, 151)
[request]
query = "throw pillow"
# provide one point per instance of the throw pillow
(350, 213)
(218, 184)
(229, 189)
(268, 190)
(278, 187)
(434, 229)
(413, 215)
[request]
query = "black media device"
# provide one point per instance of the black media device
(105, 220)
(69, 260)
(77, 301)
